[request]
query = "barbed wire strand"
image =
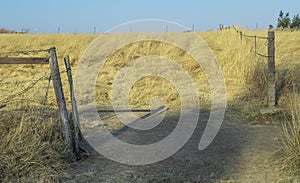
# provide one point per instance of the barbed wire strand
(20, 82)
(250, 36)
(27, 89)
(255, 41)
(262, 55)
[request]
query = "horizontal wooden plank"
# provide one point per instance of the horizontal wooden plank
(17, 60)
(131, 110)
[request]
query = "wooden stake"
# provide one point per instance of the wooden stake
(55, 75)
(77, 135)
(271, 70)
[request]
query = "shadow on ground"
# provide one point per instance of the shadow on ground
(224, 159)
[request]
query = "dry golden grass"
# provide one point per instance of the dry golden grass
(148, 87)
(246, 74)
(242, 69)
(32, 149)
(41, 144)
(291, 131)
(13, 76)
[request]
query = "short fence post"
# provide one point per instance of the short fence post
(271, 70)
(77, 135)
(55, 75)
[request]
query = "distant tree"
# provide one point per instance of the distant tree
(295, 22)
(5, 31)
(284, 20)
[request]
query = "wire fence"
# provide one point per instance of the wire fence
(269, 43)
(255, 39)
(33, 86)
(16, 89)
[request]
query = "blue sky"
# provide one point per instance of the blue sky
(81, 16)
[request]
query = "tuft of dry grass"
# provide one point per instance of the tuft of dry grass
(291, 131)
(31, 148)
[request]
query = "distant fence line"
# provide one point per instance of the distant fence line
(255, 38)
(272, 96)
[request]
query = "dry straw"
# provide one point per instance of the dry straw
(31, 145)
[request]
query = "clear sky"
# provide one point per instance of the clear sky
(81, 16)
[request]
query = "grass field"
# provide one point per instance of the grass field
(30, 140)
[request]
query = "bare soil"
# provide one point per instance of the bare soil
(241, 152)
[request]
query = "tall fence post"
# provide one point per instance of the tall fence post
(76, 123)
(60, 99)
(271, 70)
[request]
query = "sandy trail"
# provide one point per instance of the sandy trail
(241, 152)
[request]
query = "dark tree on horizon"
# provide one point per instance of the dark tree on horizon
(284, 21)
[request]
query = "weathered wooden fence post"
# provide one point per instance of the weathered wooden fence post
(55, 75)
(271, 70)
(76, 122)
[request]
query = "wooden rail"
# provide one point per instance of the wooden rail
(17, 60)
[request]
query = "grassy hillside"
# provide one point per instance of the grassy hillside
(30, 139)
(242, 69)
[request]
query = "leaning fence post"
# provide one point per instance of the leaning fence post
(77, 135)
(60, 99)
(271, 70)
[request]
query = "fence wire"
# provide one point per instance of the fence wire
(12, 91)
(33, 85)
(256, 38)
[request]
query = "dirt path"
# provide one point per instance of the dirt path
(240, 153)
